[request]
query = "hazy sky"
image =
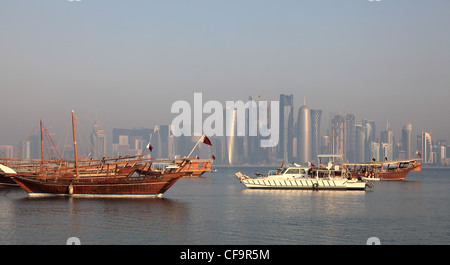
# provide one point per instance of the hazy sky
(124, 62)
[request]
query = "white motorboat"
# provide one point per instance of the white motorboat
(294, 176)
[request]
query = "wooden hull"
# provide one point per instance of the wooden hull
(7, 181)
(149, 186)
(395, 174)
(197, 167)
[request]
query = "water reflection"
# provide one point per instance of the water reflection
(51, 220)
(220, 210)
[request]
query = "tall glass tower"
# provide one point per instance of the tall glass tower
(360, 152)
(316, 115)
(406, 140)
(285, 150)
(304, 135)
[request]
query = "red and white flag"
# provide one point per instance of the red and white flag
(206, 140)
(150, 147)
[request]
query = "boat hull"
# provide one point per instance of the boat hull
(197, 167)
(305, 184)
(113, 187)
(7, 181)
(399, 173)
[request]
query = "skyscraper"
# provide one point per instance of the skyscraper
(338, 123)
(316, 115)
(406, 140)
(253, 152)
(427, 148)
(230, 136)
(98, 140)
(132, 141)
(350, 138)
(370, 137)
(286, 127)
(304, 135)
(360, 155)
(387, 142)
(6, 151)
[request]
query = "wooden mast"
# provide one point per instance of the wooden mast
(75, 144)
(42, 148)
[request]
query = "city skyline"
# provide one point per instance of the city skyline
(300, 141)
(124, 64)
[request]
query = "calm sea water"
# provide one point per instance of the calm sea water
(220, 210)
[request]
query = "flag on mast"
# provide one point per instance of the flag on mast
(206, 140)
(149, 147)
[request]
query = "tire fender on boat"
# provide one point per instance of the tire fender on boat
(70, 189)
(315, 186)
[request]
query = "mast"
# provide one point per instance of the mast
(199, 140)
(75, 143)
(42, 148)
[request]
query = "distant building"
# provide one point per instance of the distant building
(98, 140)
(6, 151)
(131, 141)
(350, 138)
(387, 143)
(304, 135)
(370, 137)
(316, 115)
(360, 155)
(407, 140)
(375, 151)
(338, 123)
(386, 152)
(231, 137)
(286, 127)
(161, 142)
(427, 148)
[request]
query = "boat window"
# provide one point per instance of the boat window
(293, 171)
(302, 171)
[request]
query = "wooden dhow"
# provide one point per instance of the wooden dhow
(388, 170)
(124, 176)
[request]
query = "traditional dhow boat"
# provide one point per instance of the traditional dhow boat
(26, 166)
(137, 180)
(196, 167)
(388, 170)
(294, 176)
(122, 177)
(5, 176)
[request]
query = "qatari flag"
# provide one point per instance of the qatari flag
(206, 140)
(150, 147)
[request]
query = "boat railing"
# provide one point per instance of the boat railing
(331, 173)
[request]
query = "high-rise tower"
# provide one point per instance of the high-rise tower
(304, 135)
(286, 127)
(360, 143)
(427, 148)
(230, 137)
(406, 140)
(350, 138)
(316, 115)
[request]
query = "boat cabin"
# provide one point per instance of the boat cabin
(290, 170)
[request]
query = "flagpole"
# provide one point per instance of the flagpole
(199, 140)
